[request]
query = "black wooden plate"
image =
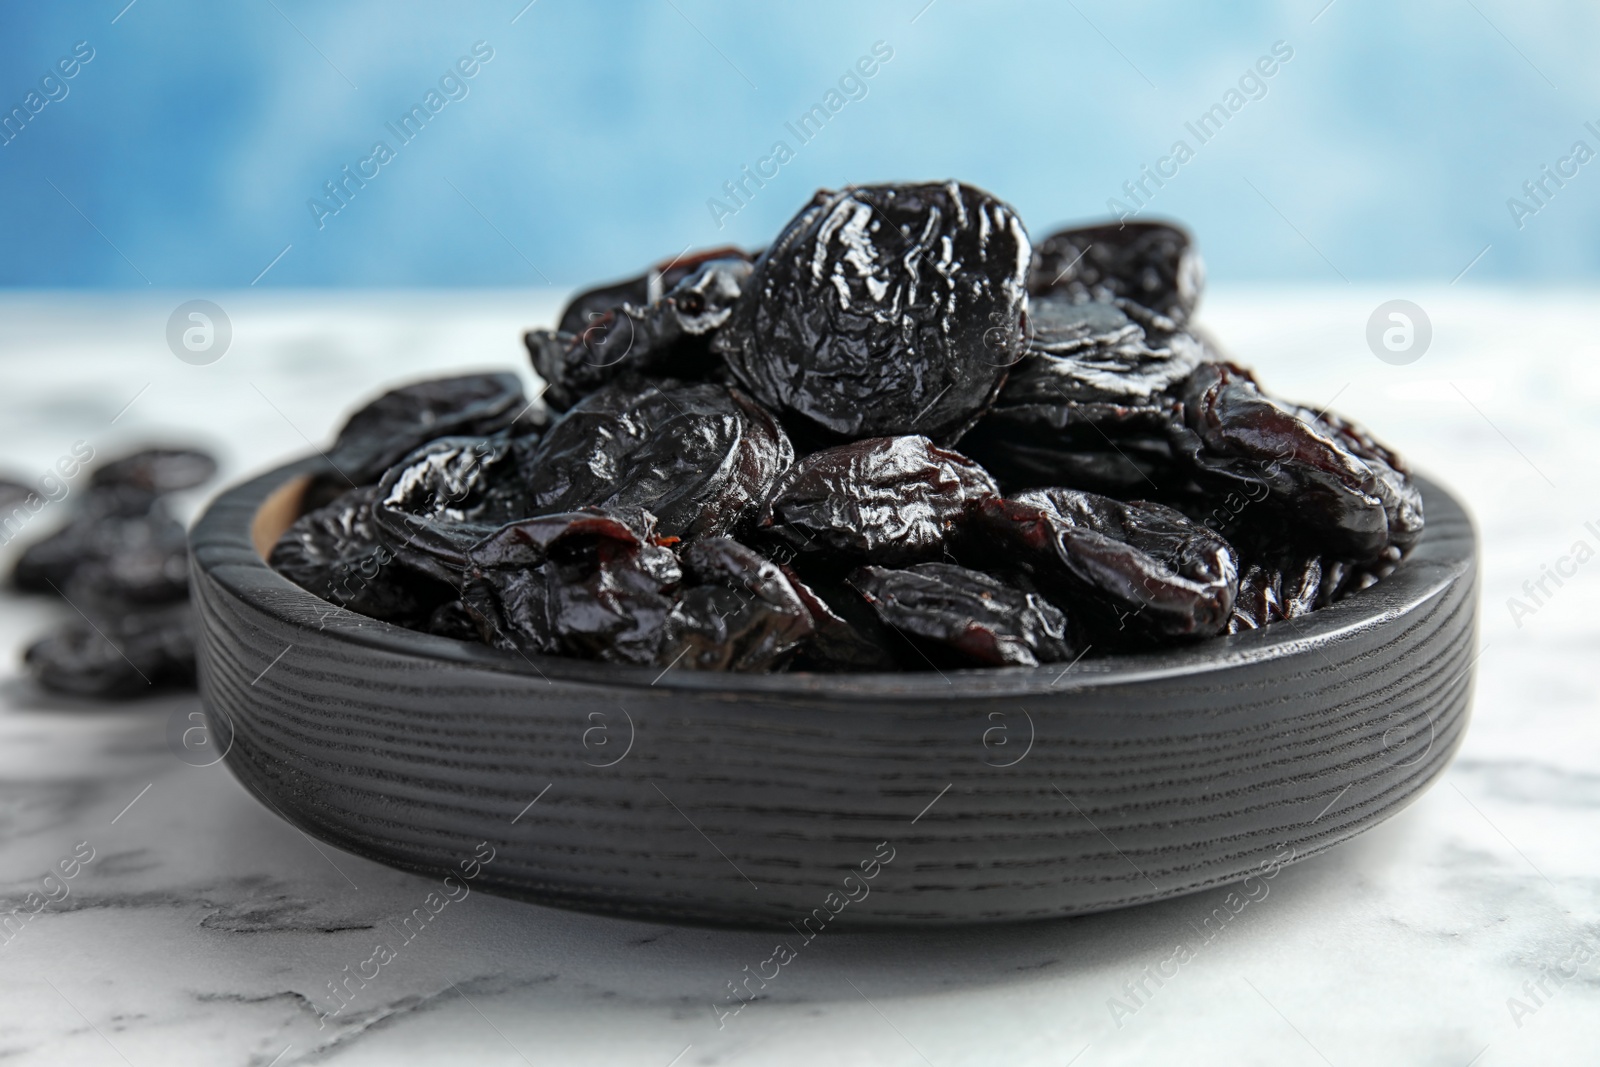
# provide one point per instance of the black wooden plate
(964, 797)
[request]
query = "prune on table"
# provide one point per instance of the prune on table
(1088, 405)
(157, 470)
(701, 458)
(123, 531)
(338, 553)
(584, 584)
(885, 499)
(585, 308)
(1132, 572)
(846, 634)
(118, 655)
(965, 615)
(385, 431)
(1150, 265)
(884, 309)
(670, 335)
(440, 500)
(1343, 491)
(737, 611)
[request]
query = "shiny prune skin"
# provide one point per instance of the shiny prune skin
(966, 617)
(587, 306)
(1134, 573)
(886, 500)
(583, 584)
(1151, 265)
(440, 500)
(400, 421)
(737, 611)
(338, 553)
(1087, 407)
(884, 310)
(157, 470)
(117, 655)
(112, 522)
(1335, 484)
(671, 335)
(846, 634)
(701, 458)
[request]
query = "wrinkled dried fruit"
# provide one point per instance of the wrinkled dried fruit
(736, 612)
(157, 470)
(1332, 481)
(700, 458)
(582, 584)
(119, 655)
(127, 534)
(1130, 571)
(337, 552)
(885, 499)
(1150, 265)
(402, 420)
(585, 308)
(954, 612)
(884, 309)
(846, 634)
(671, 335)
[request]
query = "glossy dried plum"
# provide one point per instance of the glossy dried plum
(157, 470)
(449, 494)
(119, 655)
(337, 552)
(966, 615)
(1088, 406)
(736, 612)
(1335, 484)
(385, 431)
(645, 289)
(1152, 265)
(701, 458)
(846, 633)
(112, 522)
(884, 309)
(582, 584)
(885, 499)
(671, 335)
(1132, 572)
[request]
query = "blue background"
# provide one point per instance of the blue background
(185, 152)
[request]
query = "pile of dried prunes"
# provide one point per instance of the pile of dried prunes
(902, 437)
(121, 563)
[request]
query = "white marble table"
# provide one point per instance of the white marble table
(205, 928)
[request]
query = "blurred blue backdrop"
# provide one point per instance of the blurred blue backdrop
(592, 138)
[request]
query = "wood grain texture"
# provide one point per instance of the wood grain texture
(1004, 795)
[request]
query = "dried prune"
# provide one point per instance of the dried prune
(885, 499)
(123, 531)
(1286, 584)
(649, 287)
(1132, 571)
(117, 655)
(701, 458)
(1087, 407)
(966, 615)
(439, 501)
(736, 612)
(1342, 490)
(337, 553)
(1151, 265)
(671, 335)
(383, 432)
(157, 470)
(846, 633)
(582, 584)
(884, 309)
